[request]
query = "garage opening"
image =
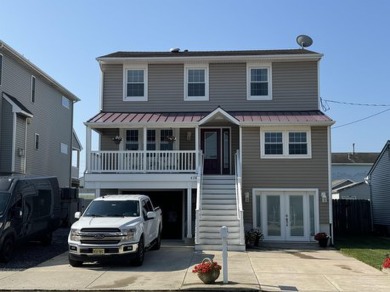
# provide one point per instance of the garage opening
(171, 204)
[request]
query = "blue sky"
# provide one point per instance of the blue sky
(64, 37)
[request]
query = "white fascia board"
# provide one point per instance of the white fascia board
(216, 112)
(213, 59)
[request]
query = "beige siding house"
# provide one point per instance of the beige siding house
(216, 138)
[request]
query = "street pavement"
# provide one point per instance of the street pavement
(170, 269)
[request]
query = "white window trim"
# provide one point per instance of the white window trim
(135, 98)
(206, 77)
(285, 141)
(250, 66)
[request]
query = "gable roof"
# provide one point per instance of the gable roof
(191, 119)
(17, 106)
(38, 71)
(384, 150)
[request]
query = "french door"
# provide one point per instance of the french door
(287, 215)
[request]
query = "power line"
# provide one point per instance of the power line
(354, 103)
(386, 110)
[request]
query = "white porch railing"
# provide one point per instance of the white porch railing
(240, 211)
(142, 161)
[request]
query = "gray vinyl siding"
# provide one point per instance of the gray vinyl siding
(6, 137)
(295, 87)
(285, 173)
(51, 120)
(380, 190)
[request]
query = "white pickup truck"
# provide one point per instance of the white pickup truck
(115, 226)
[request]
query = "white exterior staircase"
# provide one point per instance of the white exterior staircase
(218, 208)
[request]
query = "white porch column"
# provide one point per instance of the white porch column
(145, 141)
(197, 147)
(88, 149)
(189, 213)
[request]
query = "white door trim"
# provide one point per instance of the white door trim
(282, 192)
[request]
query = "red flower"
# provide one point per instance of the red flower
(206, 267)
(386, 263)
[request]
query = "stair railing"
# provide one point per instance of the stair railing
(238, 184)
(199, 183)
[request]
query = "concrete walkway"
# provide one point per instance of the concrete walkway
(171, 269)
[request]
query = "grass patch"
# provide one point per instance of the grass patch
(371, 250)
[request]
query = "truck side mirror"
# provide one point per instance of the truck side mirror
(77, 215)
(151, 215)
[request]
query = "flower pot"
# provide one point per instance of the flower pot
(323, 242)
(210, 277)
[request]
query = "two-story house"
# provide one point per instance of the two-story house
(36, 121)
(216, 138)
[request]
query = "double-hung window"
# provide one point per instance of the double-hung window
(259, 85)
(285, 143)
(196, 82)
(132, 140)
(135, 84)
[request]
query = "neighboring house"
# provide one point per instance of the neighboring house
(36, 124)
(352, 191)
(352, 166)
(378, 179)
(216, 138)
(348, 173)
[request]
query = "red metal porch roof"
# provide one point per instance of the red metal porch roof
(244, 117)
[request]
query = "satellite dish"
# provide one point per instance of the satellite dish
(304, 41)
(175, 50)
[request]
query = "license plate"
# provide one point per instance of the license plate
(98, 251)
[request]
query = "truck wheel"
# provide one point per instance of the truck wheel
(157, 244)
(47, 239)
(139, 258)
(7, 249)
(75, 263)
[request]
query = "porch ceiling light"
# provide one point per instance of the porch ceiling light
(117, 139)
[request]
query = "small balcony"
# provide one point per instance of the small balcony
(142, 162)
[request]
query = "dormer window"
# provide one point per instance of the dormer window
(135, 84)
(259, 86)
(196, 83)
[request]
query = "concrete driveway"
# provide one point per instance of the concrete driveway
(171, 269)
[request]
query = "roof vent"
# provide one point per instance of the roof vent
(175, 50)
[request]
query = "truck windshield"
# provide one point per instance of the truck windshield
(4, 197)
(113, 209)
